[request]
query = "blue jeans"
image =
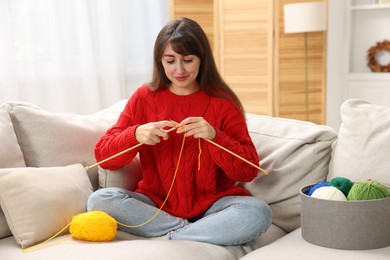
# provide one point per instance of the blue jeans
(231, 220)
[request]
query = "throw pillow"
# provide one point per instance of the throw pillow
(296, 154)
(59, 139)
(39, 202)
(362, 149)
(10, 156)
(4, 229)
(10, 152)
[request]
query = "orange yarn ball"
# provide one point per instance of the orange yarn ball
(95, 226)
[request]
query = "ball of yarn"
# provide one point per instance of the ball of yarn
(368, 190)
(95, 226)
(342, 184)
(329, 193)
(318, 185)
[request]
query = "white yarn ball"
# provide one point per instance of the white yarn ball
(329, 193)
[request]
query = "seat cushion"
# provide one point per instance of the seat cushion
(118, 249)
(293, 246)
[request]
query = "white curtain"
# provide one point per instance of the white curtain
(77, 56)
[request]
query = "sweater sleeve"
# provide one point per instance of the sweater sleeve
(234, 136)
(118, 138)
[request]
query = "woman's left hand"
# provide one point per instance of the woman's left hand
(197, 127)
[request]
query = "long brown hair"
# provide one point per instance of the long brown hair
(187, 38)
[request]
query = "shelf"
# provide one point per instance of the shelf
(373, 76)
(370, 7)
(366, 24)
(365, 30)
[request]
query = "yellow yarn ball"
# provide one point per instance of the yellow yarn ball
(95, 226)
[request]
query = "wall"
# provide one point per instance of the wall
(336, 62)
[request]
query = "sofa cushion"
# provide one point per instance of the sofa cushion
(10, 153)
(120, 249)
(59, 139)
(296, 154)
(4, 229)
(362, 149)
(293, 246)
(39, 202)
(10, 156)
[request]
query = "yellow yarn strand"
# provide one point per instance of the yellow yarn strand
(43, 245)
(120, 153)
(169, 191)
(199, 154)
(98, 226)
(95, 219)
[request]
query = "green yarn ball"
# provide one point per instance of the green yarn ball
(368, 190)
(342, 184)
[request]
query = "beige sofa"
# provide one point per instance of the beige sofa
(43, 182)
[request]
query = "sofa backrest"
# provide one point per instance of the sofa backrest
(10, 153)
(296, 153)
(10, 156)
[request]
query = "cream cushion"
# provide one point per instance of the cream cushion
(39, 202)
(363, 148)
(59, 139)
(10, 156)
(10, 152)
(296, 154)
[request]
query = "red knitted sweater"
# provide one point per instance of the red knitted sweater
(195, 189)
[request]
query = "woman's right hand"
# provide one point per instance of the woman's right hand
(152, 133)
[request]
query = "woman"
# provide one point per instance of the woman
(186, 94)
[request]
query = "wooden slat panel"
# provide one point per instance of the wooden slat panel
(201, 11)
(246, 51)
(291, 102)
(266, 70)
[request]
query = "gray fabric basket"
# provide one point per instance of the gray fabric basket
(353, 225)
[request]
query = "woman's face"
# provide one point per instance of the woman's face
(181, 71)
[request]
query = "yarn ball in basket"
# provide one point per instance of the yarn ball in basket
(368, 190)
(316, 186)
(94, 226)
(341, 183)
(329, 193)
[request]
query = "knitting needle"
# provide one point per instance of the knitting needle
(234, 154)
(120, 153)
(238, 156)
(173, 128)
